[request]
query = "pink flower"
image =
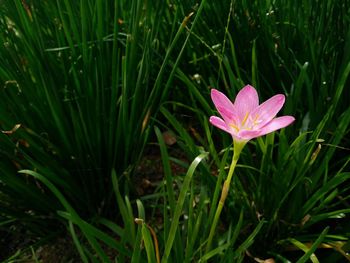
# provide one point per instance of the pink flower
(245, 119)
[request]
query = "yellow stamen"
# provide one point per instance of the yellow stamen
(255, 120)
(235, 127)
(245, 118)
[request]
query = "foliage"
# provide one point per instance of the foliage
(82, 81)
(85, 80)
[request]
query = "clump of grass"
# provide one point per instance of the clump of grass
(84, 81)
(81, 83)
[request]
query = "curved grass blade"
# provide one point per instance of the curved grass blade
(309, 252)
(175, 221)
(326, 188)
(249, 241)
(147, 239)
(167, 170)
(136, 254)
(77, 243)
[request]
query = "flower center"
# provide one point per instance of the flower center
(248, 123)
(256, 120)
(241, 126)
(234, 127)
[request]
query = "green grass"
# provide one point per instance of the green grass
(88, 80)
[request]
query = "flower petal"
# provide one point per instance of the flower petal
(223, 105)
(268, 110)
(249, 134)
(216, 121)
(246, 101)
(276, 124)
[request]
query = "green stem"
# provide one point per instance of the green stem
(238, 146)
